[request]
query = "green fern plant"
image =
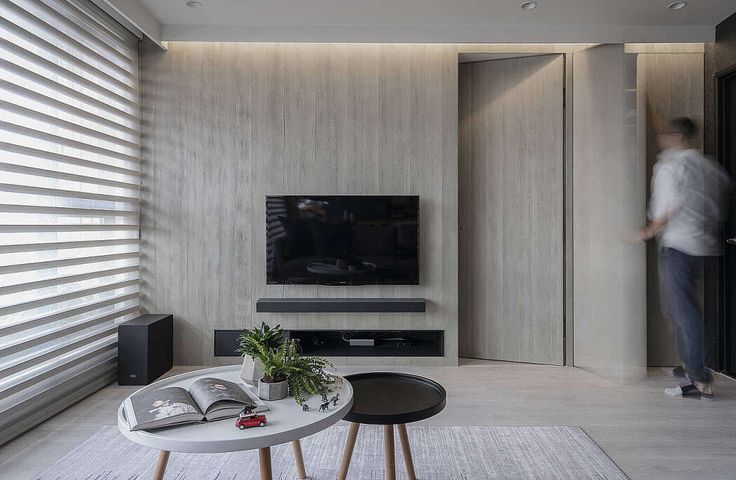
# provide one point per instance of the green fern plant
(252, 340)
(309, 377)
(306, 375)
(277, 363)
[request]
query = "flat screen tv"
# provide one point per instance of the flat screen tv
(342, 239)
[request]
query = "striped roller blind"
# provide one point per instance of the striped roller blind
(69, 203)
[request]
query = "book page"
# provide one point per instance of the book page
(208, 391)
(160, 407)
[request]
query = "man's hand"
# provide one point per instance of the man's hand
(652, 229)
(635, 236)
(645, 234)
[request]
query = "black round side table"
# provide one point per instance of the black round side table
(388, 399)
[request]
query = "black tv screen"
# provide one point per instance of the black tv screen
(342, 239)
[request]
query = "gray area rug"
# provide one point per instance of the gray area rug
(462, 453)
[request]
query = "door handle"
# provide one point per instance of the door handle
(731, 241)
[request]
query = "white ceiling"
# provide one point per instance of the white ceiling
(478, 20)
(437, 12)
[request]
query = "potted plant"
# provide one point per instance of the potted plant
(286, 371)
(309, 376)
(251, 343)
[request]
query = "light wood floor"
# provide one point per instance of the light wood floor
(649, 435)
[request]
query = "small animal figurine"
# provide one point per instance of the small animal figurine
(324, 407)
(335, 399)
(305, 408)
(247, 410)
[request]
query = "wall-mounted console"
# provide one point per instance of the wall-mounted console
(350, 343)
(341, 305)
(370, 343)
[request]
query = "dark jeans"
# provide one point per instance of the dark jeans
(678, 273)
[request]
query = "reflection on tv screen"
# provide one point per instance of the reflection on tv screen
(342, 239)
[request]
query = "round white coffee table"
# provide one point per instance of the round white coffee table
(286, 423)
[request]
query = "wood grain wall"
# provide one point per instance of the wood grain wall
(225, 124)
(609, 187)
(512, 209)
(670, 85)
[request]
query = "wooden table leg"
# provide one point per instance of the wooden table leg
(264, 457)
(348, 453)
(301, 472)
(163, 460)
(408, 461)
(388, 437)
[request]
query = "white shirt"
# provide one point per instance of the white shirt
(691, 191)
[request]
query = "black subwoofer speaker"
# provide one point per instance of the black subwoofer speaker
(145, 349)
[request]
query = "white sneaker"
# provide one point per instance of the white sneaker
(680, 390)
(673, 391)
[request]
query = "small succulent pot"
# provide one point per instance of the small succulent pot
(252, 370)
(273, 391)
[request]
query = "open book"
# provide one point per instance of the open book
(206, 399)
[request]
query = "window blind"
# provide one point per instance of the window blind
(69, 203)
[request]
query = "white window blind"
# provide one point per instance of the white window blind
(69, 203)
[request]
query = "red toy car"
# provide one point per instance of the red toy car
(252, 420)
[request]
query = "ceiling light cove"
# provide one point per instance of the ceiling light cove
(528, 5)
(677, 5)
(194, 4)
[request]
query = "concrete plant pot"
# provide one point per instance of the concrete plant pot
(273, 391)
(251, 371)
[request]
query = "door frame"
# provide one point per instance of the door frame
(723, 328)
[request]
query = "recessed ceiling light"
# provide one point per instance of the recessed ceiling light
(529, 5)
(677, 5)
(194, 4)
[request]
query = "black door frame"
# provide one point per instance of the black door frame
(723, 359)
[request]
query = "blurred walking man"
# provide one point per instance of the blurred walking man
(686, 212)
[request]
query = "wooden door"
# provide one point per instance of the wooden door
(511, 209)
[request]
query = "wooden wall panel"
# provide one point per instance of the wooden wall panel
(225, 124)
(511, 210)
(670, 85)
(609, 188)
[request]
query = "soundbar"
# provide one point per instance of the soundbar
(341, 305)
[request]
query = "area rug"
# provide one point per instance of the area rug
(440, 453)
